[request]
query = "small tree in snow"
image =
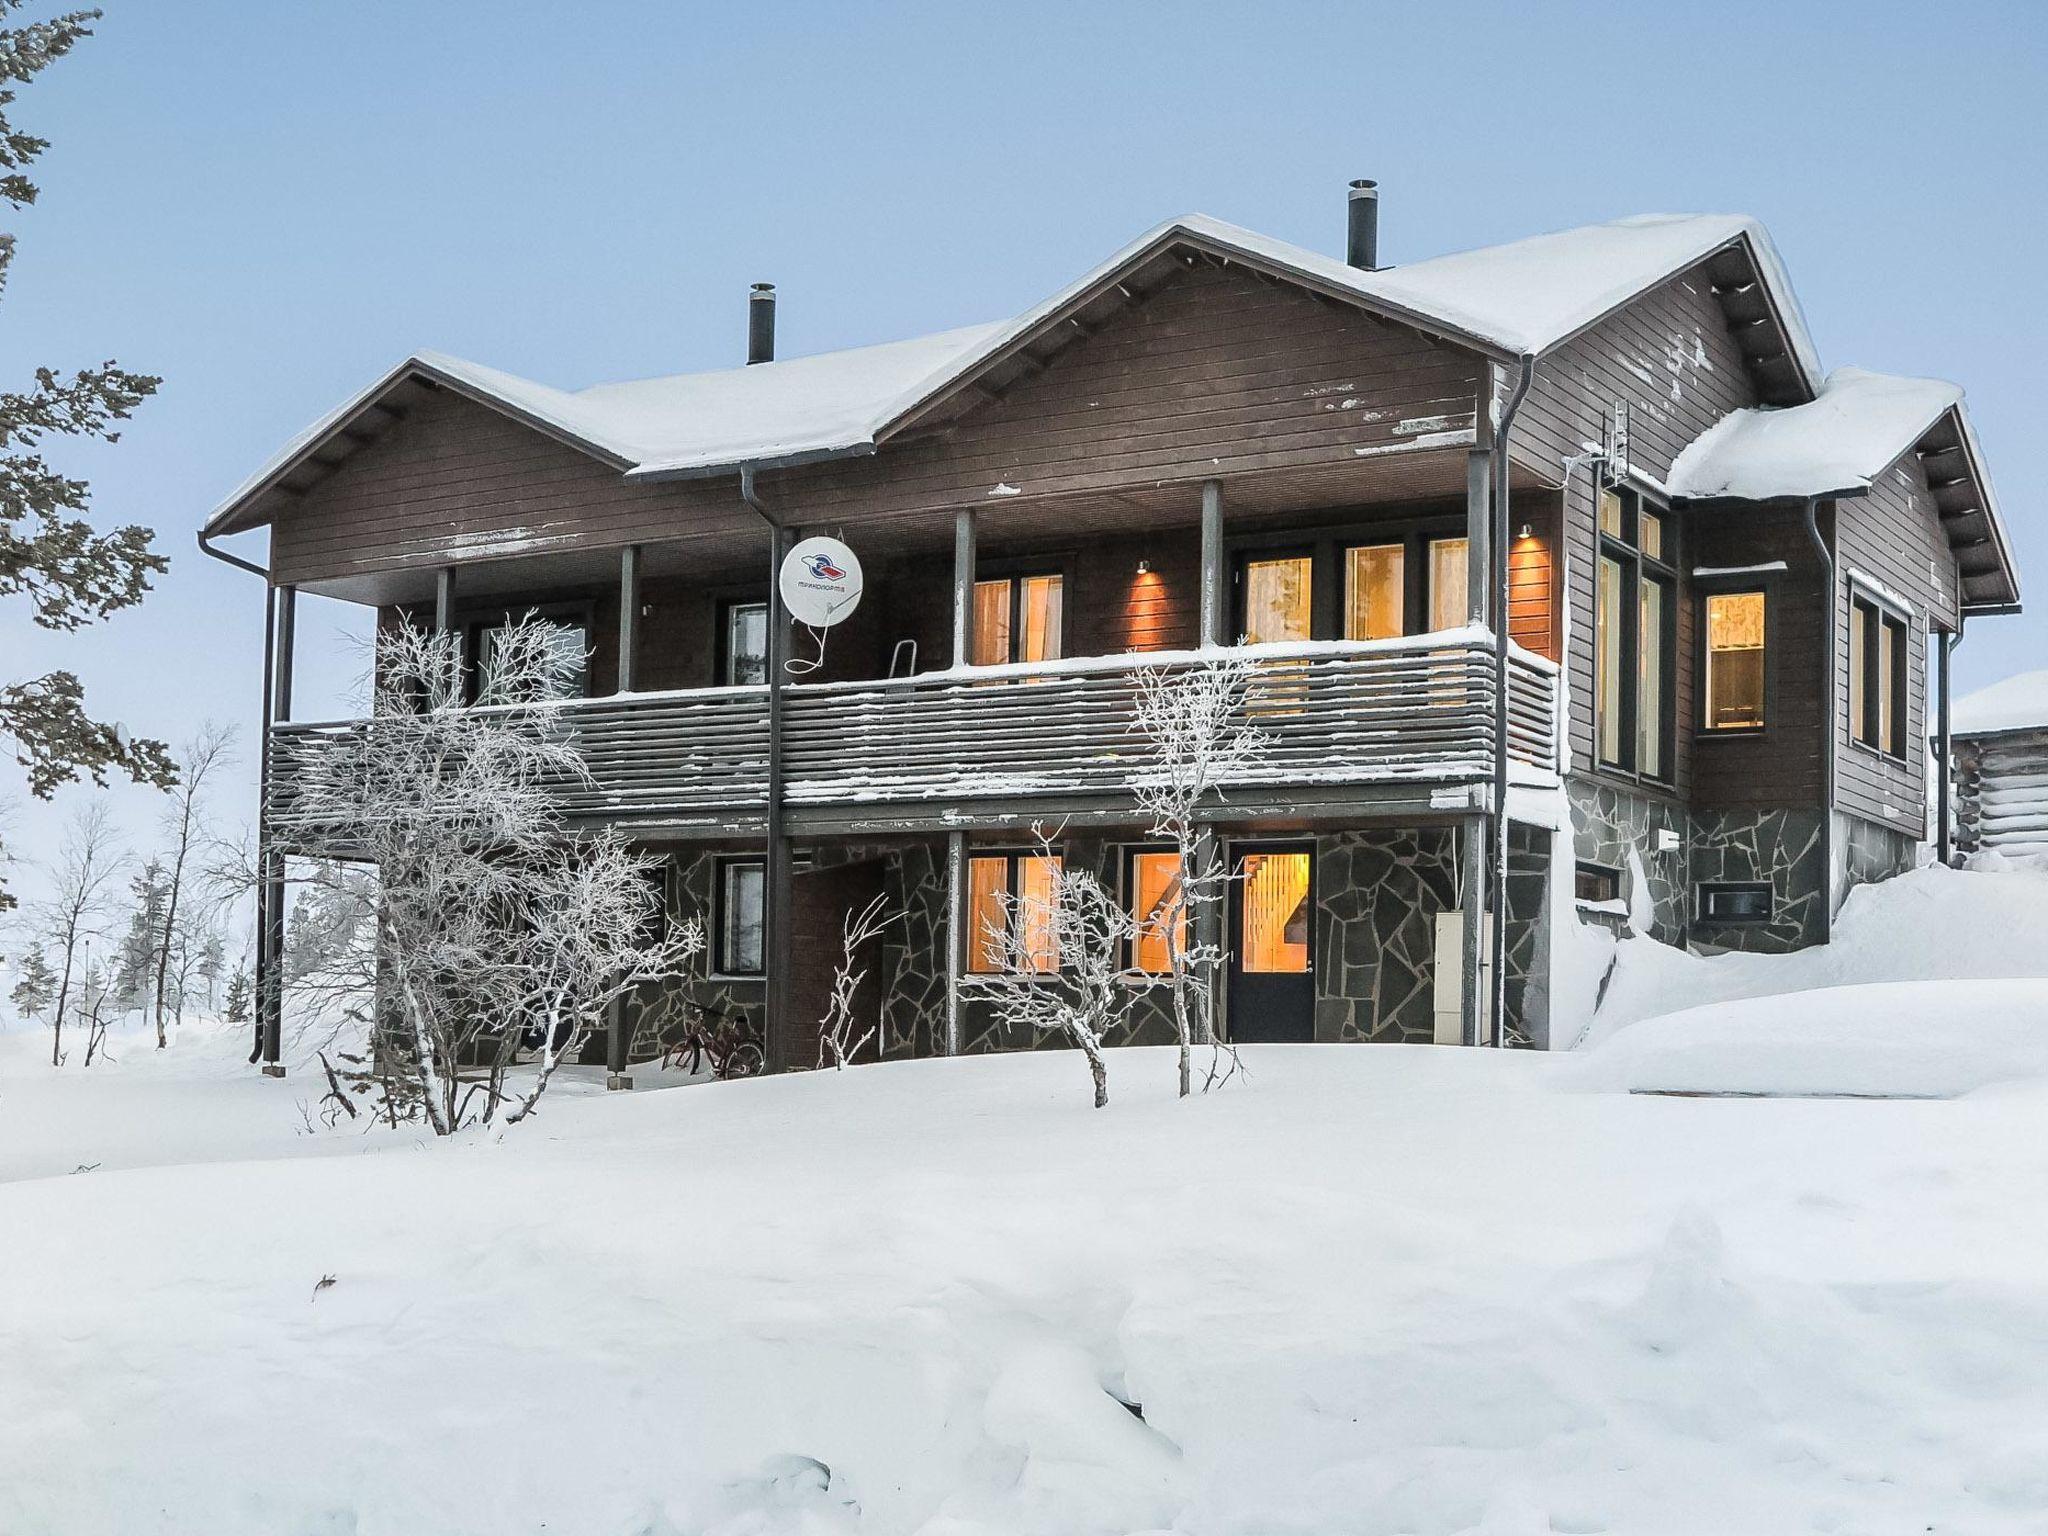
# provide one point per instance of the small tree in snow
(35, 984)
(186, 825)
(80, 880)
(840, 1037)
(486, 925)
(1199, 738)
(235, 1007)
(1059, 961)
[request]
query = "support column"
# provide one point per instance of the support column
(1208, 928)
(270, 994)
(629, 614)
(963, 586)
(1472, 848)
(778, 885)
(1944, 761)
(615, 1046)
(1478, 598)
(1215, 613)
(957, 941)
(444, 599)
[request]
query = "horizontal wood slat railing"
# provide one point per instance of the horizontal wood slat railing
(1334, 713)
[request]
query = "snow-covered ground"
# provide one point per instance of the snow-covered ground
(1369, 1290)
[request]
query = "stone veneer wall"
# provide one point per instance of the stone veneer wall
(1866, 852)
(1378, 892)
(1783, 847)
(1614, 827)
(657, 1014)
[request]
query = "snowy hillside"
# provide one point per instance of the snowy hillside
(1370, 1290)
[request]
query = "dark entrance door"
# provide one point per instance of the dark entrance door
(1271, 978)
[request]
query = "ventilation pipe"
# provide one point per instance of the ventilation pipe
(761, 324)
(1362, 244)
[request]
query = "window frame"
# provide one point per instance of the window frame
(1127, 866)
(1703, 591)
(472, 619)
(1702, 889)
(727, 607)
(1897, 710)
(1328, 550)
(723, 866)
(1608, 872)
(1017, 858)
(1623, 549)
(1016, 573)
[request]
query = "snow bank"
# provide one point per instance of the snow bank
(1372, 1290)
(1842, 440)
(1989, 922)
(1900, 1039)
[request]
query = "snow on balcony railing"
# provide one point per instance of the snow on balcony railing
(1333, 712)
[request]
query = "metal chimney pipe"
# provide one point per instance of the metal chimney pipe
(761, 324)
(1362, 246)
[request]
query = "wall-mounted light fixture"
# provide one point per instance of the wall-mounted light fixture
(1526, 533)
(1144, 567)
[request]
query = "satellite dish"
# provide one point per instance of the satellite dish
(820, 582)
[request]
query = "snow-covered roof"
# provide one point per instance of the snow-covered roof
(2017, 703)
(1842, 440)
(1523, 297)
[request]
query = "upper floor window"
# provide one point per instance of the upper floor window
(1011, 894)
(1279, 599)
(561, 671)
(1018, 618)
(1400, 585)
(1635, 634)
(1736, 630)
(745, 643)
(1447, 605)
(1877, 675)
(1375, 591)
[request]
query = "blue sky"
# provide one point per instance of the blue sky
(270, 204)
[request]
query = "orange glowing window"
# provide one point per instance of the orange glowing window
(1273, 915)
(1018, 618)
(1153, 884)
(1011, 893)
(1375, 591)
(1276, 599)
(1735, 661)
(1447, 606)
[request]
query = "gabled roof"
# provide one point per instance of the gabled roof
(1841, 442)
(1527, 296)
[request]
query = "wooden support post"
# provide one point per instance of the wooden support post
(963, 586)
(270, 994)
(629, 613)
(778, 885)
(1478, 599)
(1944, 757)
(615, 1046)
(1215, 615)
(287, 635)
(957, 940)
(1208, 929)
(1473, 843)
(444, 599)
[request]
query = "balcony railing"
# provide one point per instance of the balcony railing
(1334, 714)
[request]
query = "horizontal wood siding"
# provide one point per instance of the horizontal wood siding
(1894, 536)
(1782, 765)
(1218, 374)
(1670, 356)
(455, 481)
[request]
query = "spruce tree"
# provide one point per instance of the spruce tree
(35, 985)
(236, 1010)
(71, 574)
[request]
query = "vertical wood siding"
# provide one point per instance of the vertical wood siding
(1670, 356)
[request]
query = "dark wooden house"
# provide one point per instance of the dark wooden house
(1572, 578)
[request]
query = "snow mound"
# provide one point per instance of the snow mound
(1989, 922)
(1901, 1039)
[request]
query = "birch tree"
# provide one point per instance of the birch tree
(1198, 738)
(201, 756)
(487, 925)
(1059, 962)
(85, 870)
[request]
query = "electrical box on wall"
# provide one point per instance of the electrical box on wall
(1667, 840)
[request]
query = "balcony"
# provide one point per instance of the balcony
(1371, 726)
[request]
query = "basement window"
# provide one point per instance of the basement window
(1735, 903)
(1596, 882)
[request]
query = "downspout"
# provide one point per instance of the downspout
(1830, 601)
(1497, 898)
(776, 894)
(263, 978)
(1944, 751)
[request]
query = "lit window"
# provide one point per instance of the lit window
(1011, 894)
(1447, 574)
(1017, 618)
(1877, 676)
(1277, 599)
(1735, 661)
(741, 901)
(1152, 883)
(1273, 915)
(1375, 590)
(746, 643)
